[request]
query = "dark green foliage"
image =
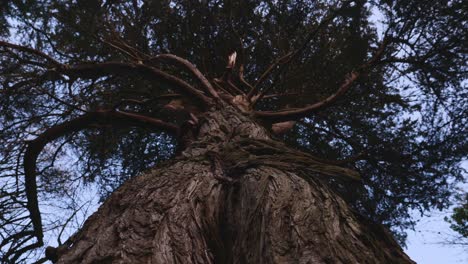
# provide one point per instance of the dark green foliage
(459, 220)
(407, 116)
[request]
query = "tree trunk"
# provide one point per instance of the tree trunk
(234, 195)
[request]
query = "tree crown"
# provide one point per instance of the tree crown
(377, 85)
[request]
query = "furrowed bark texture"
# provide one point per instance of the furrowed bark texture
(233, 196)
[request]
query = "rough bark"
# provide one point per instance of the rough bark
(234, 195)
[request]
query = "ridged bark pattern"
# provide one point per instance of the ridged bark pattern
(249, 202)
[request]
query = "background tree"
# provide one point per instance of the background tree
(105, 87)
(458, 221)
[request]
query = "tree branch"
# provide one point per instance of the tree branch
(189, 66)
(286, 59)
(297, 113)
(35, 147)
(94, 70)
(281, 60)
(242, 79)
(30, 50)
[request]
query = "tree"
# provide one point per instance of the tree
(459, 221)
(320, 126)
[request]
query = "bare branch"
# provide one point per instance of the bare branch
(35, 147)
(233, 87)
(94, 70)
(122, 50)
(287, 58)
(189, 66)
(47, 37)
(226, 92)
(242, 79)
(71, 106)
(297, 113)
(116, 41)
(281, 60)
(31, 51)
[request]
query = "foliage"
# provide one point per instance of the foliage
(403, 124)
(459, 220)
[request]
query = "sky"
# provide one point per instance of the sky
(425, 243)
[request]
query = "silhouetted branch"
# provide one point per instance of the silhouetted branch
(242, 79)
(95, 70)
(234, 87)
(117, 47)
(267, 72)
(31, 51)
(287, 58)
(189, 66)
(35, 147)
(296, 113)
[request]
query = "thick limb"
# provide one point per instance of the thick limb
(35, 147)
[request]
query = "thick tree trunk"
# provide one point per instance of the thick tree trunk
(232, 196)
